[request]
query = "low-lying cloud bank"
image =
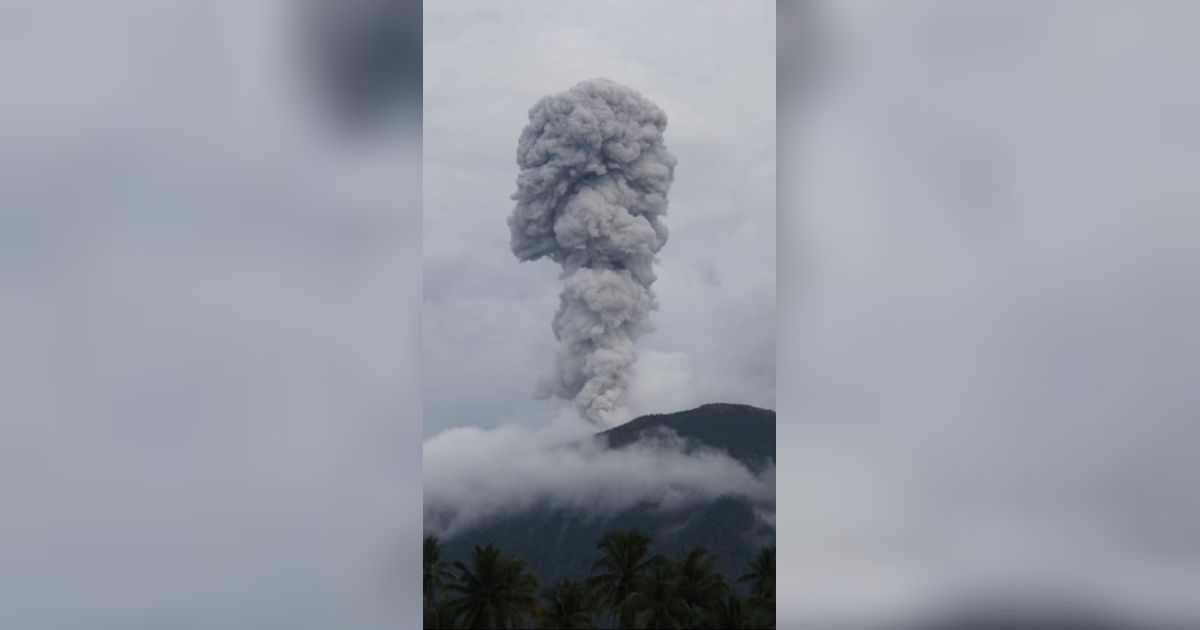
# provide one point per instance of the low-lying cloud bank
(474, 474)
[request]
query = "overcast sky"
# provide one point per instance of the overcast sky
(711, 67)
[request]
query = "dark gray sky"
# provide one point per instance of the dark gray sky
(487, 335)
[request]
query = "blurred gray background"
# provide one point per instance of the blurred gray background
(209, 314)
(990, 309)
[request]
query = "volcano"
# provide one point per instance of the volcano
(560, 543)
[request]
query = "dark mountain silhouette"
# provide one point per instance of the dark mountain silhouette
(559, 543)
(746, 433)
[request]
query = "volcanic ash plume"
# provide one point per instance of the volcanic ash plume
(591, 196)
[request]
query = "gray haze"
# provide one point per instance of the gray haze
(993, 337)
(488, 333)
(209, 415)
(591, 195)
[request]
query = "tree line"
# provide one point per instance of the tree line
(627, 588)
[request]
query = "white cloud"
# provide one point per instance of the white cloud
(472, 474)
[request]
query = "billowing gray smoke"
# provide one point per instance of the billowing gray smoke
(591, 196)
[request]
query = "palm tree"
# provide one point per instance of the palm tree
(436, 572)
(699, 583)
(731, 612)
(656, 601)
(622, 562)
(762, 583)
(569, 605)
(762, 573)
(496, 591)
(440, 615)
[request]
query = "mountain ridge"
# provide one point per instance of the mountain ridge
(744, 432)
(558, 542)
